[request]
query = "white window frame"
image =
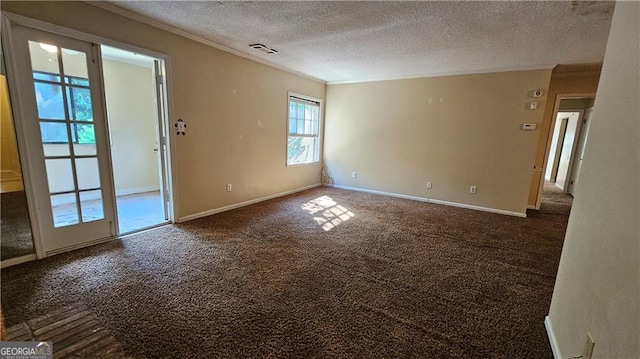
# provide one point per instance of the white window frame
(311, 99)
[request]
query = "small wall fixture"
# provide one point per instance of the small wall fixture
(266, 50)
(535, 93)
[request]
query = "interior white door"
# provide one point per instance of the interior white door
(582, 142)
(567, 151)
(556, 145)
(62, 111)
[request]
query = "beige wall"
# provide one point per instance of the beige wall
(11, 173)
(131, 108)
(576, 104)
(562, 83)
(235, 109)
(597, 289)
(455, 131)
(9, 160)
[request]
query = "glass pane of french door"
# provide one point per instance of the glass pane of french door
(61, 83)
(63, 113)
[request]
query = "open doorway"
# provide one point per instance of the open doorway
(565, 152)
(563, 143)
(134, 103)
(16, 241)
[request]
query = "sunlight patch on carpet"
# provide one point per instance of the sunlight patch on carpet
(327, 213)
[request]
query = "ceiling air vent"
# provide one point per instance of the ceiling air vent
(264, 49)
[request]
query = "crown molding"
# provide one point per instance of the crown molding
(162, 26)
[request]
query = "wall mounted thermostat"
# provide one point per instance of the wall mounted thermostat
(532, 105)
(528, 126)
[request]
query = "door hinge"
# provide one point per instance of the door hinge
(159, 79)
(94, 53)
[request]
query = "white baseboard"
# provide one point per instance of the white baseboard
(552, 338)
(243, 204)
(436, 201)
(79, 245)
(128, 191)
(18, 260)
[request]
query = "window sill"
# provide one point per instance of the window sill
(303, 164)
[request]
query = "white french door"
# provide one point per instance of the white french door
(161, 110)
(62, 114)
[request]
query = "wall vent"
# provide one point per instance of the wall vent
(266, 50)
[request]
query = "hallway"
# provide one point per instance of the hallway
(554, 200)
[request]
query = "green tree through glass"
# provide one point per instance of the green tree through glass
(82, 111)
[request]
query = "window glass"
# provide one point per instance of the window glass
(50, 103)
(303, 141)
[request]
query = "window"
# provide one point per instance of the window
(51, 108)
(303, 140)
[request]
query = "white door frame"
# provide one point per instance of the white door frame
(7, 20)
(556, 109)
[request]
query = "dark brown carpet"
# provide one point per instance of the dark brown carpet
(392, 278)
(554, 200)
(15, 229)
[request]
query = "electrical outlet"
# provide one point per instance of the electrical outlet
(229, 187)
(429, 185)
(589, 343)
(354, 174)
(472, 189)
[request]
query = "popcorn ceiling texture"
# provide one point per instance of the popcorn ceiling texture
(361, 41)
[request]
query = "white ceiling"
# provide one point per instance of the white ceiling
(365, 40)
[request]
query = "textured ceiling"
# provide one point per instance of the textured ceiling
(363, 40)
